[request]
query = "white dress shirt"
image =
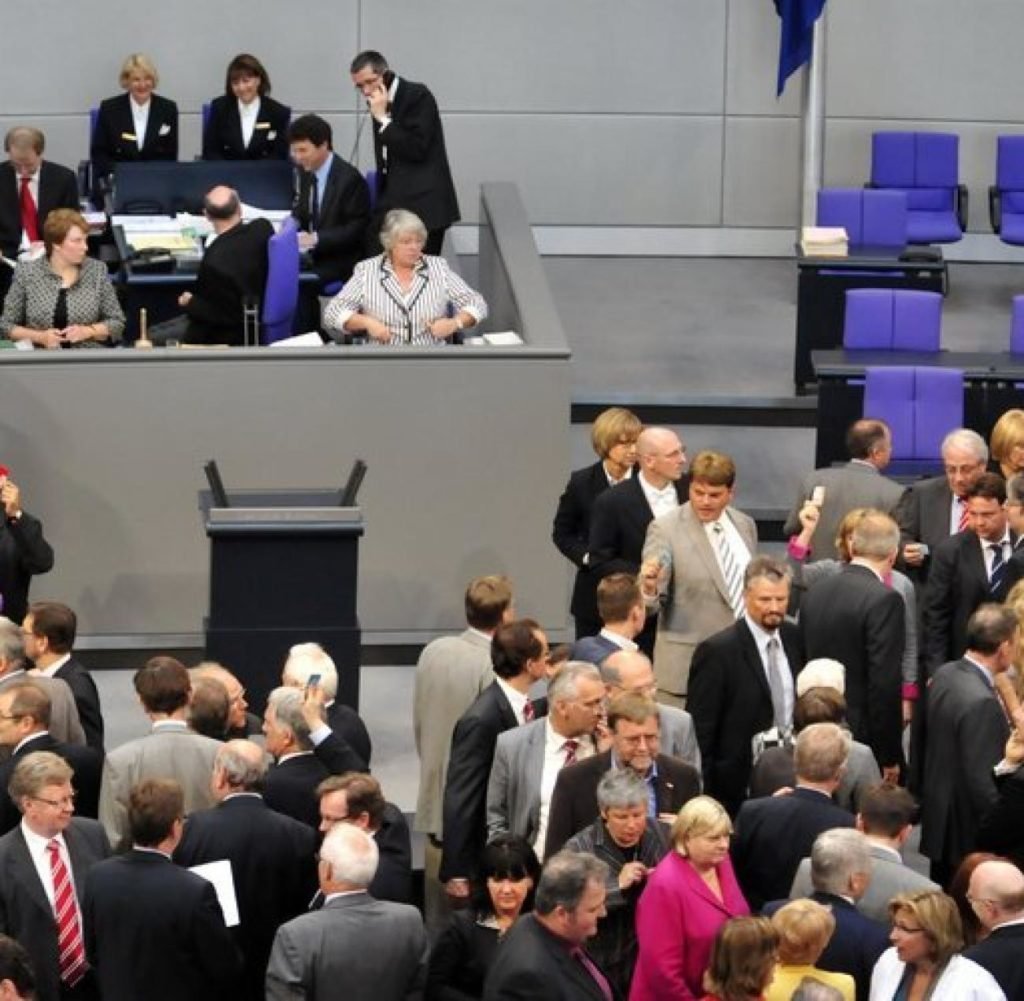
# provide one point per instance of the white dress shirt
(49, 672)
(516, 699)
(554, 762)
(762, 638)
(661, 501)
(40, 854)
(140, 116)
(986, 551)
(248, 114)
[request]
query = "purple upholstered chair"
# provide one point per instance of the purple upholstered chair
(921, 405)
(871, 218)
(282, 290)
(1006, 196)
(886, 319)
(1017, 326)
(925, 166)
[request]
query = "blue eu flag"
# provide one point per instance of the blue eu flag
(796, 35)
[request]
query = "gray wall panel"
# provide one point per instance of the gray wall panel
(769, 148)
(752, 63)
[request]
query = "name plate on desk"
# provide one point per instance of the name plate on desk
(283, 515)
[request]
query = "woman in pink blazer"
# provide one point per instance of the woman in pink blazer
(689, 896)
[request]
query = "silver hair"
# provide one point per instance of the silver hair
(287, 706)
(822, 672)
(565, 684)
(565, 879)
(875, 535)
(1015, 488)
(621, 788)
(12, 643)
(352, 855)
(305, 660)
(34, 772)
(397, 223)
(968, 440)
(836, 856)
(810, 989)
(242, 771)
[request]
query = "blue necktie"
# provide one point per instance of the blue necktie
(998, 571)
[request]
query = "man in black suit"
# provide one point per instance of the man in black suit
(967, 731)
(519, 653)
(49, 185)
(1001, 829)
(841, 869)
(332, 203)
(543, 956)
(619, 519)
(23, 550)
(853, 617)
(775, 832)
(742, 682)
(614, 437)
(408, 144)
(306, 660)
(272, 856)
(356, 798)
(967, 569)
(634, 723)
(936, 508)
(49, 630)
(41, 787)
(152, 929)
(996, 892)
(24, 719)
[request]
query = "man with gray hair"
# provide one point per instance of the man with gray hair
(271, 855)
(378, 949)
(527, 759)
(855, 618)
(543, 956)
(936, 508)
(291, 783)
(773, 833)
(996, 893)
(841, 869)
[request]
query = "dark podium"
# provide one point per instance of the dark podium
(283, 570)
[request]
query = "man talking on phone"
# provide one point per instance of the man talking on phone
(408, 144)
(23, 550)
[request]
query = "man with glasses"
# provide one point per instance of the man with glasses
(37, 857)
(635, 731)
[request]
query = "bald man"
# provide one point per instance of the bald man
(619, 520)
(996, 892)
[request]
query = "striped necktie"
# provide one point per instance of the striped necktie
(961, 525)
(70, 946)
(528, 711)
(998, 571)
(570, 751)
(730, 568)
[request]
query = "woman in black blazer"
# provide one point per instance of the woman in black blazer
(263, 134)
(115, 138)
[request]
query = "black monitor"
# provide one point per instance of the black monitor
(352, 485)
(219, 494)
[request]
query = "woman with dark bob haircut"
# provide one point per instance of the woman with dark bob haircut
(246, 123)
(509, 873)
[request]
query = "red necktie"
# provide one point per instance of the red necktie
(593, 972)
(961, 525)
(528, 712)
(29, 213)
(570, 751)
(70, 947)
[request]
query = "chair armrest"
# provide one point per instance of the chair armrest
(995, 208)
(960, 200)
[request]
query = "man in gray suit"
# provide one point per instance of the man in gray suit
(886, 818)
(451, 672)
(528, 758)
(693, 563)
(65, 725)
(169, 751)
(378, 949)
(857, 484)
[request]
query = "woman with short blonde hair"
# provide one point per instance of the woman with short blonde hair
(804, 928)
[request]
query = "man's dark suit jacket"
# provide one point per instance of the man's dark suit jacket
(967, 732)
(414, 174)
(349, 726)
(114, 124)
(88, 768)
(773, 834)
(855, 619)
(1002, 954)
(342, 220)
(155, 931)
(618, 528)
(730, 701)
(957, 585)
(25, 912)
(465, 792)
(855, 945)
(87, 700)
(923, 515)
(1002, 827)
(574, 799)
(23, 552)
(594, 649)
(290, 788)
(273, 866)
(222, 138)
(58, 189)
(534, 964)
(233, 268)
(570, 532)
(393, 879)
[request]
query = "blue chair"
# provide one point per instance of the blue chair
(281, 297)
(870, 218)
(886, 319)
(1017, 326)
(925, 166)
(1006, 196)
(372, 179)
(206, 116)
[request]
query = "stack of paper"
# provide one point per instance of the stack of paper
(824, 241)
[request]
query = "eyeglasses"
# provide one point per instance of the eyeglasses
(903, 928)
(57, 804)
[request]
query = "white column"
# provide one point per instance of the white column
(813, 125)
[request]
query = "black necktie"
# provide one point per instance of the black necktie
(998, 571)
(314, 202)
